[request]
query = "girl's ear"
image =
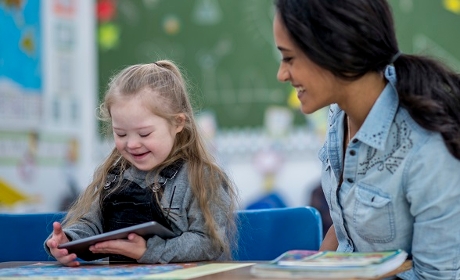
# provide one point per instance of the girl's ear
(180, 122)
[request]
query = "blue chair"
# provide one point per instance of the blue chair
(22, 235)
(264, 234)
(269, 200)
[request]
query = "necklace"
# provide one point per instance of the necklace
(349, 130)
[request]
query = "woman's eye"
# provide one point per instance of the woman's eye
(287, 59)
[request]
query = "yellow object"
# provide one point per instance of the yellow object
(171, 25)
(108, 36)
(452, 5)
(9, 195)
(293, 101)
(269, 182)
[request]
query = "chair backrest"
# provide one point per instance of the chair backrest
(264, 234)
(22, 235)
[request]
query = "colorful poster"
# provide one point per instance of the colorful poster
(20, 64)
(41, 99)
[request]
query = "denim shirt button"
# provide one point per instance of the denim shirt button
(352, 152)
(350, 180)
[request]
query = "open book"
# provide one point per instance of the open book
(331, 264)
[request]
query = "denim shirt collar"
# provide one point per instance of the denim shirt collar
(376, 128)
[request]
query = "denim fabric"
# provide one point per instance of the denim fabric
(400, 189)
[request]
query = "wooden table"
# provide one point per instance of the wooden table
(242, 273)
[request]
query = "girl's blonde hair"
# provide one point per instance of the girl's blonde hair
(163, 90)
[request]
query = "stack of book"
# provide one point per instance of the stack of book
(330, 264)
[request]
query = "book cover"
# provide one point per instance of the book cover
(330, 264)
(334, 259)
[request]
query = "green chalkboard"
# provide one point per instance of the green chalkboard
(429, 27)
(226, 49)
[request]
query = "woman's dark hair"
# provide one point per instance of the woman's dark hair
(352, 37)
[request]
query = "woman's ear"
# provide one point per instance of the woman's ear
(180, 122)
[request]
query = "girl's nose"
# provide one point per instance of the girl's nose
(133, 142)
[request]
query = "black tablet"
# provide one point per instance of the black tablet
(81, 246)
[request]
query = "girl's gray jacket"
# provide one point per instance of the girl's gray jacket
(187, 221)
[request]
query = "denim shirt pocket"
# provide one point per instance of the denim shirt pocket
(373, 215)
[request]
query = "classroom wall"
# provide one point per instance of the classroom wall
(261, 164)
(57, 56)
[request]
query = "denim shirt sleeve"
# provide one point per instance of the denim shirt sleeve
(433, 191)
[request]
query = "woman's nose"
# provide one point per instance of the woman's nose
(282, 75)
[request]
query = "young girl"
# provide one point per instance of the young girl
(391, 159)
(159, 170)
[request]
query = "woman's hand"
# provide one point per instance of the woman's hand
(61, 255)
(330, 242)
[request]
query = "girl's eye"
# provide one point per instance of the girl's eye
(144, 135)
(121, 135)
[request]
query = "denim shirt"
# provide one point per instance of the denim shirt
(400, 189)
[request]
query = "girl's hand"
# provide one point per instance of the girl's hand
(134, 247)
(61, 255)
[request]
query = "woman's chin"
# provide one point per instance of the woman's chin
(308, 110)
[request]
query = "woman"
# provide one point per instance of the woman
(391, 159)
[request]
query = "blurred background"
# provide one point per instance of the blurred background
(56, 57)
